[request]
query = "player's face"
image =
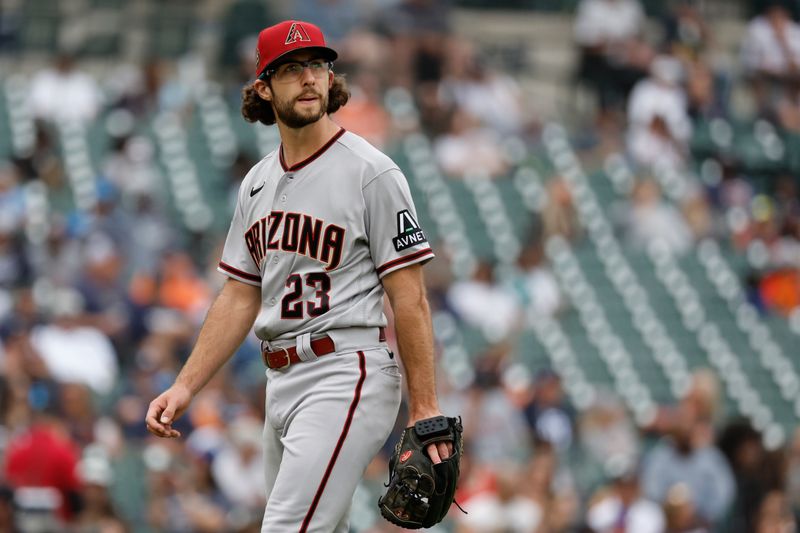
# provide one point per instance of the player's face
(300, 101)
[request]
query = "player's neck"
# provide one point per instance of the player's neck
(300, 144)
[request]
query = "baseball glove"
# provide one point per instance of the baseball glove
(420, 493)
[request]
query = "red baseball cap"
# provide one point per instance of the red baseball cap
(290, 35)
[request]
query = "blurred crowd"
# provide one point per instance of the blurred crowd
(664, 93)
(98, 313)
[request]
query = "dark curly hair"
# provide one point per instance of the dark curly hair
(255, 108)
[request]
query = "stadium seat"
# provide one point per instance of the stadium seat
(41, 25)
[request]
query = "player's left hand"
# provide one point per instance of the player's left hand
(438, 451)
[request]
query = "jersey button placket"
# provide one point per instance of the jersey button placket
(274, 301)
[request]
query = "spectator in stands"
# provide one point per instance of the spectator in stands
(684, 459)
(165, 88)
(492, 97)
(238, 467)
(46, 444)
(60, 258)
(793, 471)
(785, 251)
(181, 287)
(607, 435)
(771, 56)
(238, 170)
(180, 497)
(71, 351)
(549, 482)
(703, 395)
(78, 411)
(15, 269)
(470, 299)
(779, 290)
(160, 86)
(785, 109)
(559, 216)
(105, 302)
(64, 93)
(686, 31)
(687, 38)
(242, 20)
(680, 511)
(11, 22)
(537, 287)
(97, 512)
(757, 473)
(131, 168)
(650, 219)
(775, 515)
(495, 428)
(468, 148)
(474, 479)
(154, 235)
(336, 18)
(12, 198)
(550, 418)
(658, 121)
(364, 113)
(698, 213)
(504, 510)
(705, 92)
(621, 508)
(613, 54)
(42, 161)
(20, 364)
(418, 31)
(7, 511)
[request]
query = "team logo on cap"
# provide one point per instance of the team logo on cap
(296, 33)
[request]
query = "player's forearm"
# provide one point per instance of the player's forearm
(415, 342)
(228, 321)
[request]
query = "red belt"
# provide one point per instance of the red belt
(283, 357)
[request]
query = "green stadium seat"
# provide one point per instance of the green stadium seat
(170, 30)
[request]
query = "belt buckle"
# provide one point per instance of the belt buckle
(288, 360)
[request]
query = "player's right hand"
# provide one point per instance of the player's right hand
(165, 409)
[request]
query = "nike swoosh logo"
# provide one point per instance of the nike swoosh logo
(255, 191)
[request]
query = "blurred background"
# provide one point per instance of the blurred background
(611, 189)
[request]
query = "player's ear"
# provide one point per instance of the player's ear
(263, 90)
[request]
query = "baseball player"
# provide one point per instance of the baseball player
(323, 226)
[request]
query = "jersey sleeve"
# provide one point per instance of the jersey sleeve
(236, 262)
(395, 238)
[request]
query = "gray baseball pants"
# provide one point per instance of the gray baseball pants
(326, 419)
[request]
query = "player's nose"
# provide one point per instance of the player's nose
(307, 77)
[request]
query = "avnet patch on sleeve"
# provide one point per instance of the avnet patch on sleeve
(408, 232)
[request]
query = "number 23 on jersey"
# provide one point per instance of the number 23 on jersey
(292, 304)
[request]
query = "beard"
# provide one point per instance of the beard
(286, 112)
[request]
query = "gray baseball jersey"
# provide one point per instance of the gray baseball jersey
(318, 236)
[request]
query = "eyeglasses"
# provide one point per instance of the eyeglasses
(292, 71)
